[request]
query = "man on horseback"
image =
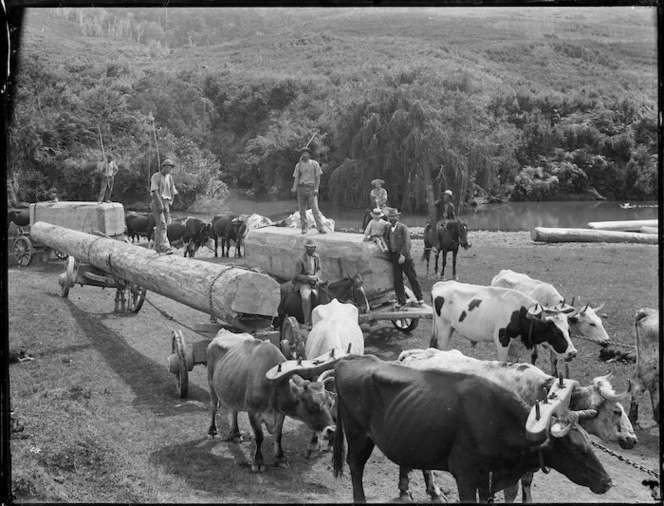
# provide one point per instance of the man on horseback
(307, 276)
(445, 209)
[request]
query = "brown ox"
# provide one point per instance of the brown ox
(237, 364)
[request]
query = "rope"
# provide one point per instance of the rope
(626, 460)
(617, 344)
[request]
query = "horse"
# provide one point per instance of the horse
(449, 239)
(349, 289)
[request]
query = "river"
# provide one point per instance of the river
(504, 217)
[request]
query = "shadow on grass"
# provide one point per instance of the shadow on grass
(223, 468)
(152, 384)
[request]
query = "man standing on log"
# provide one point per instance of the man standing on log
(397, 237)
(307, 181)
(163, 192)
(108, 170)
(307, 276)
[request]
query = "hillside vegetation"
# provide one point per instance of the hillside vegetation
(527, 104)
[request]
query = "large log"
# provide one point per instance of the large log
(624, 225)
(224, 291)
(543, 234)
(89, 217)
(275, 249)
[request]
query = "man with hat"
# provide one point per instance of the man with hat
(108, 170)
(397, 237)
(163, 192)
(379, 196)
(307, 276)
(444, 212)
(307, 181)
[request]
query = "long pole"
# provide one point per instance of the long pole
(101, 141)
(156, 143)
(312, 138)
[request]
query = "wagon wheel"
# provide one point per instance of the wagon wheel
(182, 376)
(69, 278)
(289, 329)
(136, 297)
(23, 251)
(406, 324)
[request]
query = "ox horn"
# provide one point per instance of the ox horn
(583, 311)
(610, 395)
(573, 298)
(326, 376)
(598, 308)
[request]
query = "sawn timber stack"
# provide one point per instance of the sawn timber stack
(275, 250)
(226, 292)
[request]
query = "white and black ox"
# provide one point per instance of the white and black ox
(646, 377)
(584, 322)
(596, 406)
(509, 318)
(237, 365)
(448, 421)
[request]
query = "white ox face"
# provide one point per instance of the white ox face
(588, 324)
(559, 316)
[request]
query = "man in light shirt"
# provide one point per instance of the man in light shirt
(307, 181)
(163, 192)
(108, 170)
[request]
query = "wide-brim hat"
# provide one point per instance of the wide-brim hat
(304, 150)
(449, 192)
(377, 181)
(393, 211)
(376, 212)
(309, 243)
(168, 161)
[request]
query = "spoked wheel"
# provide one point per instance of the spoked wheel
(290, 328)
(136, 297)
(68, 279)
(182, 376)
(406, 324)
(23, 251)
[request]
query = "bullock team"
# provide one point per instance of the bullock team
(437, 409)
(432, 409)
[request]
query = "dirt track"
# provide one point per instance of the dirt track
(127, 355)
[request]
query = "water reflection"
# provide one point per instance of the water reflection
(505, 217)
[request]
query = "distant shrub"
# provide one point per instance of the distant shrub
(532, 183)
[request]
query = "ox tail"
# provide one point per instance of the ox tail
(339, 450)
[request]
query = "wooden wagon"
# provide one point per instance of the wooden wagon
(274, 250)
(90, 217)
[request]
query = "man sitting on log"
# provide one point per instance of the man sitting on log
(307, 276)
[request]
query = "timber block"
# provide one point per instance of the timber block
(275, 250)
(88, 217)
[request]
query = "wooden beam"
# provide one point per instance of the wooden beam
(224, 291)
(543, 234)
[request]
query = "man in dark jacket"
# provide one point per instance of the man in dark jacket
(307, 276)
(397, 238)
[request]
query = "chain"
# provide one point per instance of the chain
(169, 317)
(640, 467)
(615, 343)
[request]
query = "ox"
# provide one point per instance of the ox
(229, 228)
(598, 406)
(191, 232)
(646, 377)
(488, 313)
(430, 419)
(139, 225)
(584, 323)
(236, 365)
(335, 327)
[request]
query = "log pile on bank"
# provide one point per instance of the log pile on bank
(636, 231)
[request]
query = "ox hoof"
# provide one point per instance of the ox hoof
(257, 468)
(404, 497)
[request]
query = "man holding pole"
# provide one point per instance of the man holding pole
(163, 192)
(108, 170)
